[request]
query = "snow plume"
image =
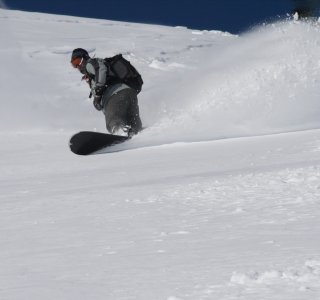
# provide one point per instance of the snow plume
(266, 81)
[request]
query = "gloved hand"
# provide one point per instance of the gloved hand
(99, 90)
(97, 103)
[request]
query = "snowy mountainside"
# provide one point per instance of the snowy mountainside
(217, 199)
(44, 57)
(264, 82)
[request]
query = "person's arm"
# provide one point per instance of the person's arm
(99, 72)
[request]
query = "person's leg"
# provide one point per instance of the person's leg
(133, 116)
(122, 112)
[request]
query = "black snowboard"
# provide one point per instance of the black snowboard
(88, 142)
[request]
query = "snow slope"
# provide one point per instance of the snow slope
(217, 199)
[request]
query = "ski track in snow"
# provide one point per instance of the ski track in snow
(217, 199)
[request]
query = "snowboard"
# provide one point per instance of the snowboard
(88, 142)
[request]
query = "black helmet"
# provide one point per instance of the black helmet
(79, 52)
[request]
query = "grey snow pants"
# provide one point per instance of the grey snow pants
(122, 110)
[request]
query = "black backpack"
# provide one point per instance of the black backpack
(124, 71)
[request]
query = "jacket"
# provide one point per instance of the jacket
(101, 78)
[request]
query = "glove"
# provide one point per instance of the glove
(97, 103)
(85, 78)
(99, 90)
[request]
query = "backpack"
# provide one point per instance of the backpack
(124, 71)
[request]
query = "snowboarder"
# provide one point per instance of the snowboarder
(116, 99)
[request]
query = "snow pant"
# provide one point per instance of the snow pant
(121, 110)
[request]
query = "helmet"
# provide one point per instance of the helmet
(79, 52)
(78, 55)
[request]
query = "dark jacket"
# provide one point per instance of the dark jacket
(101, 78)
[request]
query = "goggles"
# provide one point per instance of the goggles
(76, 62)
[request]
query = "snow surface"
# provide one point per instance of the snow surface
(219, 198)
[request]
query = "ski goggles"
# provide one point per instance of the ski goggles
(76, 62)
